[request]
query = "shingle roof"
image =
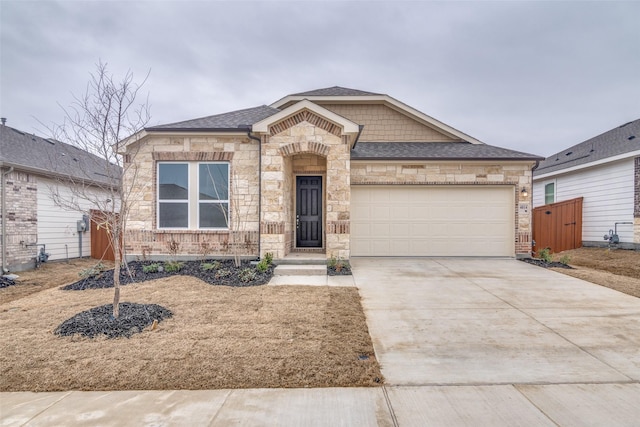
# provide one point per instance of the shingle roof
(50, 157)
(226, 121)
(435, 150)
(620, 140)
(336, 91)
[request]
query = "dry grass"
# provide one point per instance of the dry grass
(218, 337)
(617, 269)
(49, 275)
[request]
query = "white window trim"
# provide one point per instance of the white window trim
(193, 201)
(555, 191)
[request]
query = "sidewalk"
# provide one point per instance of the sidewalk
(488, 405)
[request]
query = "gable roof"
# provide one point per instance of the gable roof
(624, 139)
(53, 158)
(347, 125)
(435, 151)
(231, 121)
(338, 94)
(335, 91)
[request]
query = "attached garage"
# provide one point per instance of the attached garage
(432, 220)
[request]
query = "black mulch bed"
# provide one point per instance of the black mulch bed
(343, 271)
(227, 275)
(5, 282)
(542, 263)
(133, 318)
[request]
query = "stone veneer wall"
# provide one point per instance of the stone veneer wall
(21, 221)
(143, 239)
(285, 154)
(383, 124)
(438, 173)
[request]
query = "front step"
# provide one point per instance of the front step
(300, 270)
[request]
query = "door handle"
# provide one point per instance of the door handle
(297, 221)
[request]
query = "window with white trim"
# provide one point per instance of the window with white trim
(193, 195)
(550, 193)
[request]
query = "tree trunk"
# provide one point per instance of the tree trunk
(116, 275)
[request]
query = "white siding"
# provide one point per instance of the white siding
(57, 226)
(608, 197)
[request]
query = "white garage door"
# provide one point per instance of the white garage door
(399, 220)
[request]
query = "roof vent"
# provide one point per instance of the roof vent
(631, 138)
(3, 120)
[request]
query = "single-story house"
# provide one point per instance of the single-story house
(605, 172)
(336, 171)
(33, 170)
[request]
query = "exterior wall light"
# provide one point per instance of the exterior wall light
(524, 192)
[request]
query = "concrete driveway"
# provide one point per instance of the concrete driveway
(501, 330)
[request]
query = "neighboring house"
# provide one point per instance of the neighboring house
(33, 169)
(605, 172)
(335, 171)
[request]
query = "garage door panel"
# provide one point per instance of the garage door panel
(432, 221)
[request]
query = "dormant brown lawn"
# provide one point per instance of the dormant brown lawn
(218, 337)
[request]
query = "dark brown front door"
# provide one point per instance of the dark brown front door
(309, 212)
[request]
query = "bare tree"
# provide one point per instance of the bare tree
(234, 216)
(97, 122)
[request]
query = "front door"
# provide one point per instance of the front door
(309, 211)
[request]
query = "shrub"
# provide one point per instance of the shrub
(545, 255)
(268, 257)
(247, 274)
(223, 272)
(172, 266)
(92, 271)
(262, 266)
(151, 268)
(332, 262)
(208, 266)
(565, 259)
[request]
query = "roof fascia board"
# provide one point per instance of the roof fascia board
(556, 172)
(347, 125)
(391, 102)
(55, 175)
(440, 160)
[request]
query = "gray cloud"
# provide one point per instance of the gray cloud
(530, 76)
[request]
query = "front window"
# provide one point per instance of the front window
(213, 195)
(549, 193)
(173, 195)
(193, 195)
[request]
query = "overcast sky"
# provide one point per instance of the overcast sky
(531, 76)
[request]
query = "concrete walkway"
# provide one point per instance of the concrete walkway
(461, 342)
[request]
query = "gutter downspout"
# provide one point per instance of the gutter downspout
(360, 129)
(4, 220)
(255, 138)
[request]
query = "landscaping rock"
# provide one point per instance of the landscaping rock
(6, 282)
(542, 263)
(227, 275)
(98, 321)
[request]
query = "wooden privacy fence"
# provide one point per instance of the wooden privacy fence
(558, 226)
(100, 241)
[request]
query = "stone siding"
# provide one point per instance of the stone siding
(144, 239)
(517, 175)
(21, 221)
(383, 124)
(303, 149)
